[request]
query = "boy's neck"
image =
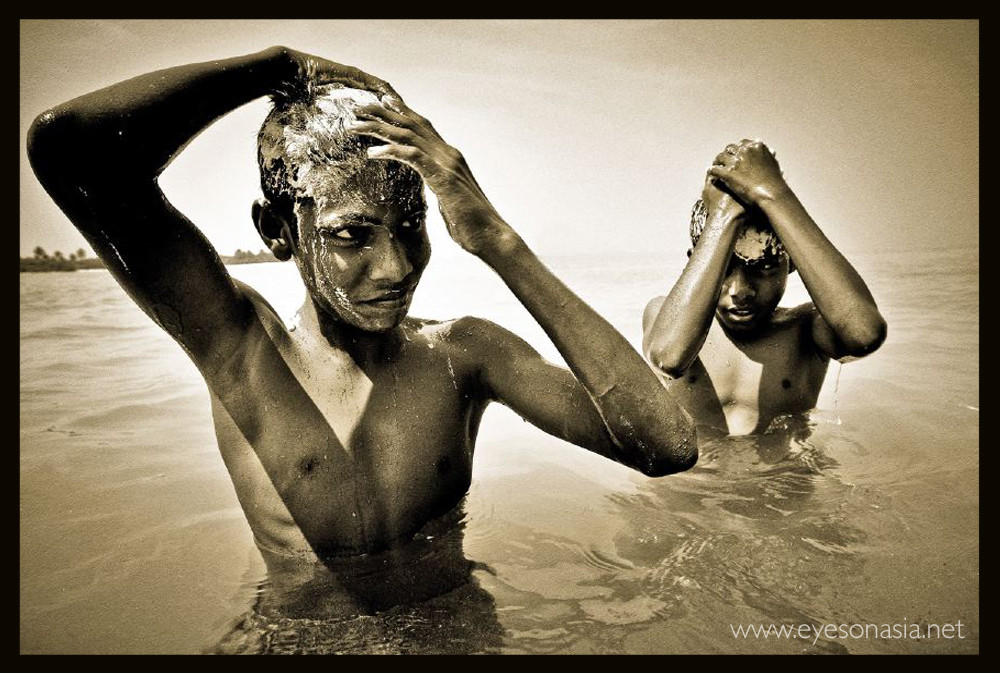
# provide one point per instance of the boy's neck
(314, 323)
(762, 328)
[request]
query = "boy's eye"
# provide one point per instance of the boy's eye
(412, 225)
(351, 234)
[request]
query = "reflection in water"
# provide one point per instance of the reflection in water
(759, 525)
(760, 530)
(418, 598)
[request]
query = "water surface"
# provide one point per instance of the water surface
(866, 512)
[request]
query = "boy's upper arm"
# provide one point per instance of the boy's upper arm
(649, 316)
(821, 336)
(545, 394)
(165, 264)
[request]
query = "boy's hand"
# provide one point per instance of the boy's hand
(749, 171)
(720, 204)
(472, 221)
(322, 71)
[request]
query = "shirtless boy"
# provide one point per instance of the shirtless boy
(347, 431)
(755, 361)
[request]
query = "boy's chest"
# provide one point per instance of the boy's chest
(401, 420)
(756, 381)
(337, 445)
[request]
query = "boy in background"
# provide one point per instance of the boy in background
(755, 360)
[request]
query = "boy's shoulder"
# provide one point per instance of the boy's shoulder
(476, 342)
(784, 316)
(471, 336)
(451, 330)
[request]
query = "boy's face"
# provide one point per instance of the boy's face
(361, 256)
(751, 291)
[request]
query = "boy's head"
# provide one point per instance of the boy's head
(757, 273)
(354, 225)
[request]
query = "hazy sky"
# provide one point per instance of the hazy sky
(587, 135)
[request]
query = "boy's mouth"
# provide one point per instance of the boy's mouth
(740, 314)
(394, 299)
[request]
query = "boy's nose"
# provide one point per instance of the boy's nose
(740, 287)
(390, 262)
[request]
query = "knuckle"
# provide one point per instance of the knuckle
(452, 156)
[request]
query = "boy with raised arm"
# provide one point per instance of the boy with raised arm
(755, 360)
(349, 430)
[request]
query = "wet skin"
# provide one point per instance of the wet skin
(347, 431)
(731, 357)
(758, 361)
(401, 395)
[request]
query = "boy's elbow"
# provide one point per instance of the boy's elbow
(42, 132)
(678, 462)
(667, 362)
(677, 455)
(50, 142)
(866, 340)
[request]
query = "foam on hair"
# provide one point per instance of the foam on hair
(304, 151)
(756, 238)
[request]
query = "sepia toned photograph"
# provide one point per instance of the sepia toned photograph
(499, 336)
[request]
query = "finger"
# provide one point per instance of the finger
(405, 117)
(383, 131)
(724, 158)
(347, 75)
(406, 154)
(385, 89)
(718, 174)
(362, 80)
(396, 104)
(412, 157)
(330, 72)
(731, 148)
(382, 113)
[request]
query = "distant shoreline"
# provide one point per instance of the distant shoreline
(46, 264)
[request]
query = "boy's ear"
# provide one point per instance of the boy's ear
(273, 229)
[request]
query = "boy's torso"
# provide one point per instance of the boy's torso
(739, 386)
(330, 456)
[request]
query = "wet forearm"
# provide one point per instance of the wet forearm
(678, 332)
(836, 288)
(650, 430)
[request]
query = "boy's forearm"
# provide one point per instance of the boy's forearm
(839, 292)
(647, 424)
(678, 332)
